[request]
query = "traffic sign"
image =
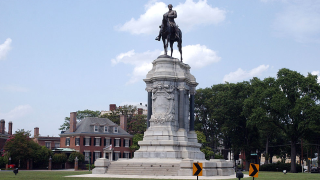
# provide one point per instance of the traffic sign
(197, 169)
(254, 170)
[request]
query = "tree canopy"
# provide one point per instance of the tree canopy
(20, 147)
(250, 116)
(80, 115)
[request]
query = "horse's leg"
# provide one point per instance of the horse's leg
(171, 46)
(164, 45)
(168, 40)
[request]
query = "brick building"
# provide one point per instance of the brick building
(141, 109)
(3, 134)
(97, 137)
(49, 142)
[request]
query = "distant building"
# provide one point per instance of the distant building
(141, 109)
(49, 142)
(97, 137)
(3, 134)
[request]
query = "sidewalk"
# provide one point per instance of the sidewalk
(156, 177)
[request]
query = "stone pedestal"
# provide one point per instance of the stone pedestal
(76, 164)
(50, 164)
(224, 168)
(101, 166)
(169, 136)
(169, 146)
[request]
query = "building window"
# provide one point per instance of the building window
(48, 145)
(115, 129)
(96, 155)
(77, 141)
(87, 141)
(126, 142)
(96, 128)
(116, 156)
(106, 129)
(107, 142)
(117, 142)
(97, 142)
(56, 145)
(126, 155)
(87, 156)
(67, 141)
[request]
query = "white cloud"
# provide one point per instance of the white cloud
(13, 88)
(190, 14)
(240, 75)
(316, 73)
(299, 20)
(18, 112)
(197, 56)
(140, 61)
(5, 48)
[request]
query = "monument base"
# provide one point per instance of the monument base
(169, 167)
(169, 146)
(101, 166)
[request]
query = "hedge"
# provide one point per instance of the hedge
(280, 166)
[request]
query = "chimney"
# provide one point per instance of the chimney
(123, 122)
(2, 126)
(140, 111)
(73, 121)
(112, 107)
(10, 128)
(36, 132)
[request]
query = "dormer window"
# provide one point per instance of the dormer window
(115, 129)
(96, 128)
(106, 129)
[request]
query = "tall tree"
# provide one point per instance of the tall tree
(22, 148)
(219, 117)
(292, 106)
(258, 111)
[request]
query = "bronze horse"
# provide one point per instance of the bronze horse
(169, 35)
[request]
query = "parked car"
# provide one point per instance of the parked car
(315, 170)
(11, 166)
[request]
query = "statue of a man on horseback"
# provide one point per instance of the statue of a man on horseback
(170, 32)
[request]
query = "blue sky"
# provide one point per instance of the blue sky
(57, 57)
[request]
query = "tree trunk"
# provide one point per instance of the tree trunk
(271, 155)
(247, 165)
(293, 156)
(267, 154)
(318, 155)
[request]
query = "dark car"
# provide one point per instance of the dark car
(315, 170)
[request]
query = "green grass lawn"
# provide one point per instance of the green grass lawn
(52, 175)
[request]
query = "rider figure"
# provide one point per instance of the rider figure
(171, 14)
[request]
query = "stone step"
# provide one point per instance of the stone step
(143, 169)
(137, 169)
(145, 173)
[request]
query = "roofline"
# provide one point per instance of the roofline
(91, 134)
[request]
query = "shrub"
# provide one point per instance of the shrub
(218, 156)
(91, 167)
(59, 158)
(278, 167)
(74, 155)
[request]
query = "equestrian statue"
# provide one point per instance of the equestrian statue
(170, 32)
